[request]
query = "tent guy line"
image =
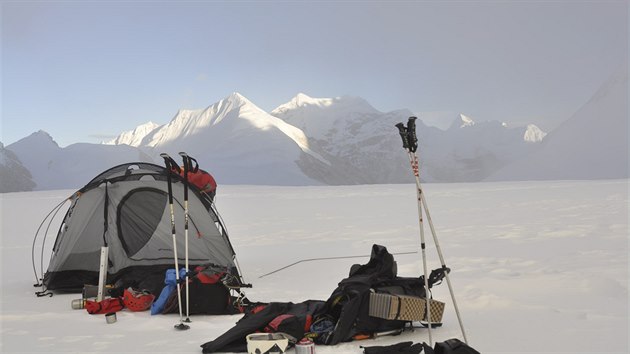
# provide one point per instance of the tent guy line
(323, 259)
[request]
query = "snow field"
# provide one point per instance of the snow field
(538, 267)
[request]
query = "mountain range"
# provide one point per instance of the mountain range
(343, 140)
(14, 177)
(592, 144)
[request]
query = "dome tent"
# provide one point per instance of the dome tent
(126, 208)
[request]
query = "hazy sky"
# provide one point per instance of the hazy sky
(87, 70)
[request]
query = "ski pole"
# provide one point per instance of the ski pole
(187, 167)
(411, 126)
(443, 263)
(424, 256)
(410, 144)
(170, 165)
(410, 141)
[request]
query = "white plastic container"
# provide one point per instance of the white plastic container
(258, 343)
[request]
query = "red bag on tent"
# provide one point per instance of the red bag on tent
(200, 179)
(113, 304)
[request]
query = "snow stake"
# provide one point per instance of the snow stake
(410, 144)
(102, 273)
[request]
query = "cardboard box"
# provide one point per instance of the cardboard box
(404, 307)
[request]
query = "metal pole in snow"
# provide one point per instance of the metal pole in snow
(169, 165)
(186, 169)
(102, 273)
(414, 166)
(408, 135)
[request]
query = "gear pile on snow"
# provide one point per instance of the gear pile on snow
(343, 317)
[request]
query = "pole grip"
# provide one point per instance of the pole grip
(412, 138)
(168, 162)
(403, 135)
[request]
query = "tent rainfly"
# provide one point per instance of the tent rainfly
(126, 208)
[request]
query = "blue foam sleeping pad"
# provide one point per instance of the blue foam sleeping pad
(170, 285)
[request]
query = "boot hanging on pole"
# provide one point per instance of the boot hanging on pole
(170, 165)
(410, 144)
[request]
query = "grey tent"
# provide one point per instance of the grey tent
(127, 209)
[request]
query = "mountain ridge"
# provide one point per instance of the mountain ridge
(591, 144)
(307, 141)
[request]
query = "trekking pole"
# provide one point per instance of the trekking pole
(443, 263)
(411, 148)
(187, 167)
(170, 165)
(410, 143)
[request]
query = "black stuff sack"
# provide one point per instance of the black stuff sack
(398, 348)
(453, 346)
(208, 295)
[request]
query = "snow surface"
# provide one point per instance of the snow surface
(538, 267)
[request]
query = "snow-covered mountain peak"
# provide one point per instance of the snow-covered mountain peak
(304, 103)
(462, 121)
(592, 144)
(318, 117)
(189, 122)
(39, 138)
(42, 135)
(148, 125)
(301, 99)
(307, 140)
(533, 134)
(134, 137)
(237, 99)
(233, 117)
(14, 177)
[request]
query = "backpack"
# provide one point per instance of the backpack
(208, 294)
(200, 179)
(346, 312)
